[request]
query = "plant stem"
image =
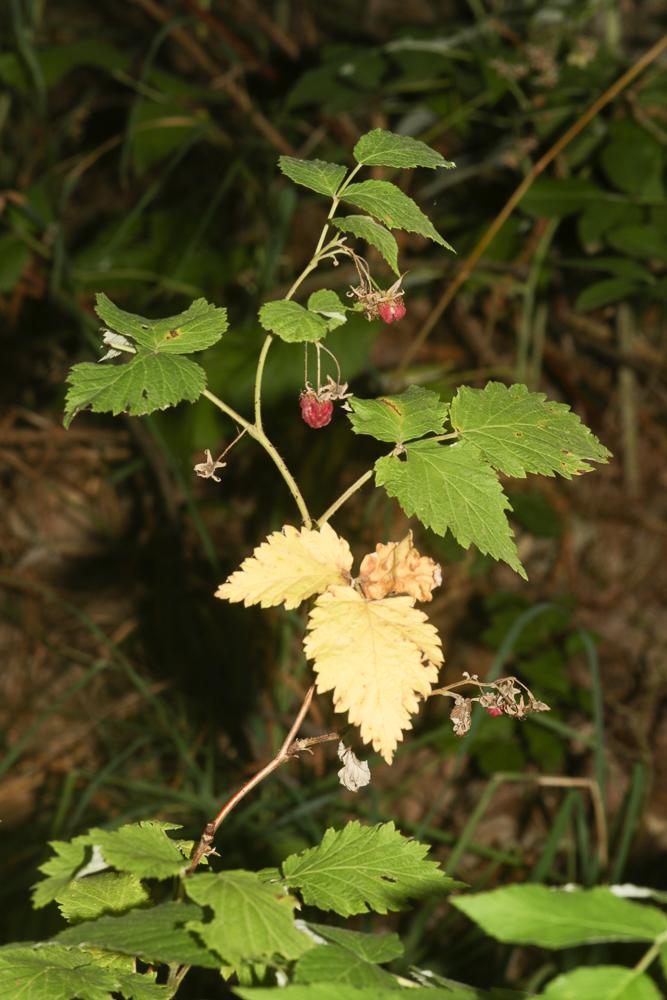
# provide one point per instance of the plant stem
(445, 437)
(268, 340)
(258, 434)
(290, 748)
(344, 497)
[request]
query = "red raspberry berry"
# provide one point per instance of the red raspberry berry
(494, 711)
(316, 412)
(392, 311)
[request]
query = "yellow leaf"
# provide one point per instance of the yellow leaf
(289, 566)
(378, 657)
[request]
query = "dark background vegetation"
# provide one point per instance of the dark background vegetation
(140, 145)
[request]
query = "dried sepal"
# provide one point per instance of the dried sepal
(355, 773)
(461, 715)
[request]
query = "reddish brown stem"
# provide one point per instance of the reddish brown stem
(290, 748)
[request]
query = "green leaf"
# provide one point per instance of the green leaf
(613, 982)
(291, 322)
(361, 868)
(325, 178)
(329, 305)
(52, 972)
(200, 326)
(330, 963)
(252, 920)
(602, 293)
(380, 148)
(95, 895)
(633, 161)
(389, 205)
(154, 935)
(69, 857)
(375, 234)
(519, 431)
(142, 849)
(452, 487)
(409, 415)
(645, 241)
(550, 197)
(555, 918)
(342, 991)
(376, 948)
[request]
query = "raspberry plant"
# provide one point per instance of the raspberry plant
(131, 934)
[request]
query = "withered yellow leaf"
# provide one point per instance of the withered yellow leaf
(289, 566)
(378, 657)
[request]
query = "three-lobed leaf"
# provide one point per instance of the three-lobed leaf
(373, 233)
(388, 204)
(401, 418)
(452, 488)
(292, 322)
(318, 175)
(518, 431)
(380, 148)
(252, 919)
(200, 326)
(379, 658)
(361, 868)
(290, 566)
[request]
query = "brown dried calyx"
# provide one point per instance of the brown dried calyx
(398, 568)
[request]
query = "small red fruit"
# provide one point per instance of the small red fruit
(494, 711)
(392, 310)
(316, 412)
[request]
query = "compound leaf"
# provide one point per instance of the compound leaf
(325, 178)
(154, 935)
(519, 431)
(380, 148)
(554, 918)
(378, 657)
(92, 896)
(361, 868)
(252, 920)
(409, 415)
(53, 972)
(143, 849)
(292, 322)
(452, 487)
(290, 566)
(375, 234)
(388, 204)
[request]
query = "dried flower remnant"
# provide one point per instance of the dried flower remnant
(208, 468)
(506, 696)
(355, 773)
(398, 568)
(461, 715)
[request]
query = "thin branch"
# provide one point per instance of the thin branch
(344, 497)
(290, 748)
(476, 253)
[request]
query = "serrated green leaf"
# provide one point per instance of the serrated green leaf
(330, 963)
(387, 203)
(325, 178)
(200, 326)
(554, 918)
(452, 487)
(375, 948)
(375, 234)
(146, 383)
(519, 431)
(380, 148)
(401, 418)
(361, 868)
(252, 920)
(92, 896)
(157, 934)
(608, 982)
(292, 322)
(342, 991)
(329, 305)
(53, 972)
(143, 849)
(69, 857)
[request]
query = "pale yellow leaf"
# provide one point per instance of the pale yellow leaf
(378, 657)
(289, 566)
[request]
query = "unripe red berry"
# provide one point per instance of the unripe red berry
(494, 711)
(392, 311)
(316, 412)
